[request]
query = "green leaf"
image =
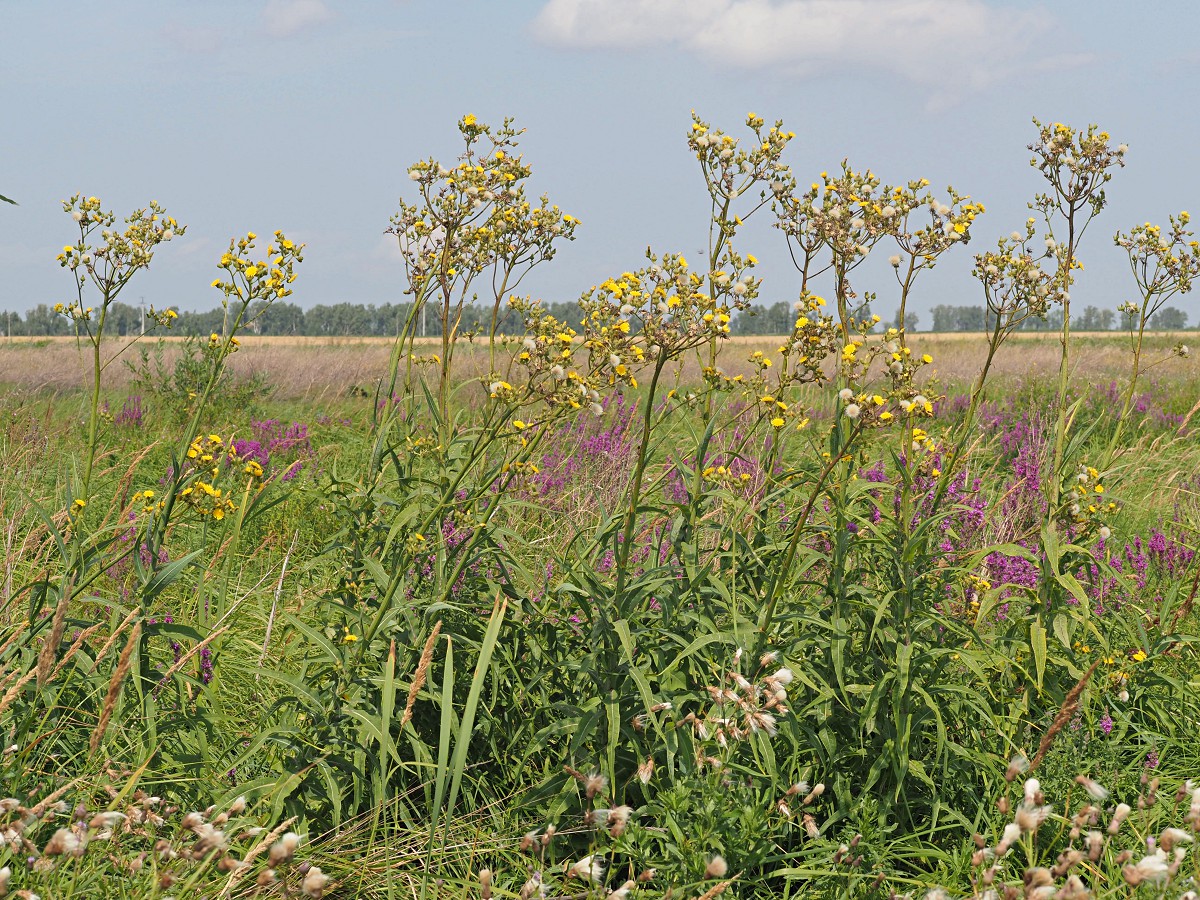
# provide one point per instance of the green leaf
(1061, 626)
(1037, 643)
(462, 740)
(1071, 583)
(168, 575)
(1050, 546)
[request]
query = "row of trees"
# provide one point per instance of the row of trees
(975, 318)
(369, 320)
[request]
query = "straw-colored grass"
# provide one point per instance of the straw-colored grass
(315, 368)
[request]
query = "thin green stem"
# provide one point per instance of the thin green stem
(635, 486)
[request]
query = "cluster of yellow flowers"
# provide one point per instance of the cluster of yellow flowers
(1088, 503)
(722, 474)
(110, 263)
(1076, 163)
(1015, 284)
(475, 214)
(547, 355)
(849, 213)
(77, 312)
(146, 498)
(947, 224)
(207, 500)
(1165, 262)
(658, 312)
(266, 280)
(730, 170)
(210, 460)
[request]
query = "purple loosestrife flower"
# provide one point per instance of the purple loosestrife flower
(130, 415)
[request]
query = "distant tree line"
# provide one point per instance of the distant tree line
(1091, 318)
(325, 320)
(369, 320)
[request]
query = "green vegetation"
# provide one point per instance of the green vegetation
(611, 619)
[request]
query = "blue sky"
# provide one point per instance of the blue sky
(304, 114)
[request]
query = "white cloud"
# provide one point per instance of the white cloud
(283, 18)
(950, 45)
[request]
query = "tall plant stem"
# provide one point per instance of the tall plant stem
(1134, 373)
(639, 472)
(94, 411)
(798, 530)
(1060, 431)
(714, 254)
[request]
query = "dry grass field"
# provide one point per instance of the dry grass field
(312, 368)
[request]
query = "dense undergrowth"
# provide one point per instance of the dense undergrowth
(585, 626)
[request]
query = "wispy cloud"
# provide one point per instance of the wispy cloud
(949, 45)
(284, 18)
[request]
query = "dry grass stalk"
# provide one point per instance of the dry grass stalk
(275, 600)
(124, 661)
(79, 641)
(50, 645)
(112, 638)
(1188, 418)
(12, 692)
(44, 804)
(131, 470)
(241, 871)
(11, 555)
(316, 368)
(422, 672)
(182, 661)
(717, 889)
(12, 639)
(1069, 708)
